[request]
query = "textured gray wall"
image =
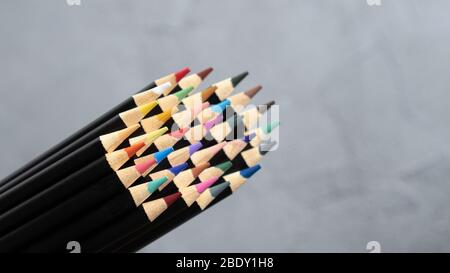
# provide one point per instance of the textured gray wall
(363, 91)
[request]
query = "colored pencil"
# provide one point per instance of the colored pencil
(236, 103)
(147, 212)
(232, 150)
(253, 115)
(113, 208)
(223, 91)
(216, 93)
(249, 141)
(253, 156)
(81, 202)
(144, 102)
(96, 148)
(103, 166)
(186, 178)
(166, 157)
(237, 125)
(239, 101)
(179, 212)
(125, 105)
(262, 133)
(192, 154)
(121, 121)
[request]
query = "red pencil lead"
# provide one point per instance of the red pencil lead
(180, 74)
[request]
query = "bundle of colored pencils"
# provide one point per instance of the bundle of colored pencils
(143, 168)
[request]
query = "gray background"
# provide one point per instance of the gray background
(363, 93)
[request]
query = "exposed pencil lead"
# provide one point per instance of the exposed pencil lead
(161, 88)
(220, 107)
(204, 73)
(154, 208)
(269, 127)
(164, 116)
(132, 150)
(144, 166)
(184, 92)
(146, 108)
(195, 147)
(253, 91)
(150, 137)
(117, 158)
(237, 79)
(208, 92)
(249, 137)
(225, 166)
(209, 124)
(152, 186)
(170, 199)
(161, 155)
(179, 133)
(247, 173)
(201, 187)
(180, 74)
(177, 169)
(217, 189)
(265, 107)
(199, 169)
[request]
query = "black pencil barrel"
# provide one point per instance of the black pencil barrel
(125, 231)
(148, 234)
(123, 106)
(53, 173)
(76, 229)
(108, 234)
(61, 214)
(54, 194)
(112, 125)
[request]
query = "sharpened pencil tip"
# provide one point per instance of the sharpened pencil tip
(237, 79)
(201, 187)
(247, 173)
(133, 149)
(211, 123)
(204, 73)
(170, 199)
(225, 166)
(249, 137)
(208, 92)
(144, 166)
(269, 127)
(195, 147)
(161, 88)
(220, 107)
(217, 189)
(199, 169)
(164, 116)
(253, 91)
(152, 186)
(177, 169)
(150, 137)
(180, 74)
(161, 155)
(179, 133)
(146, 108)
(265, 107)
(183, 93)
